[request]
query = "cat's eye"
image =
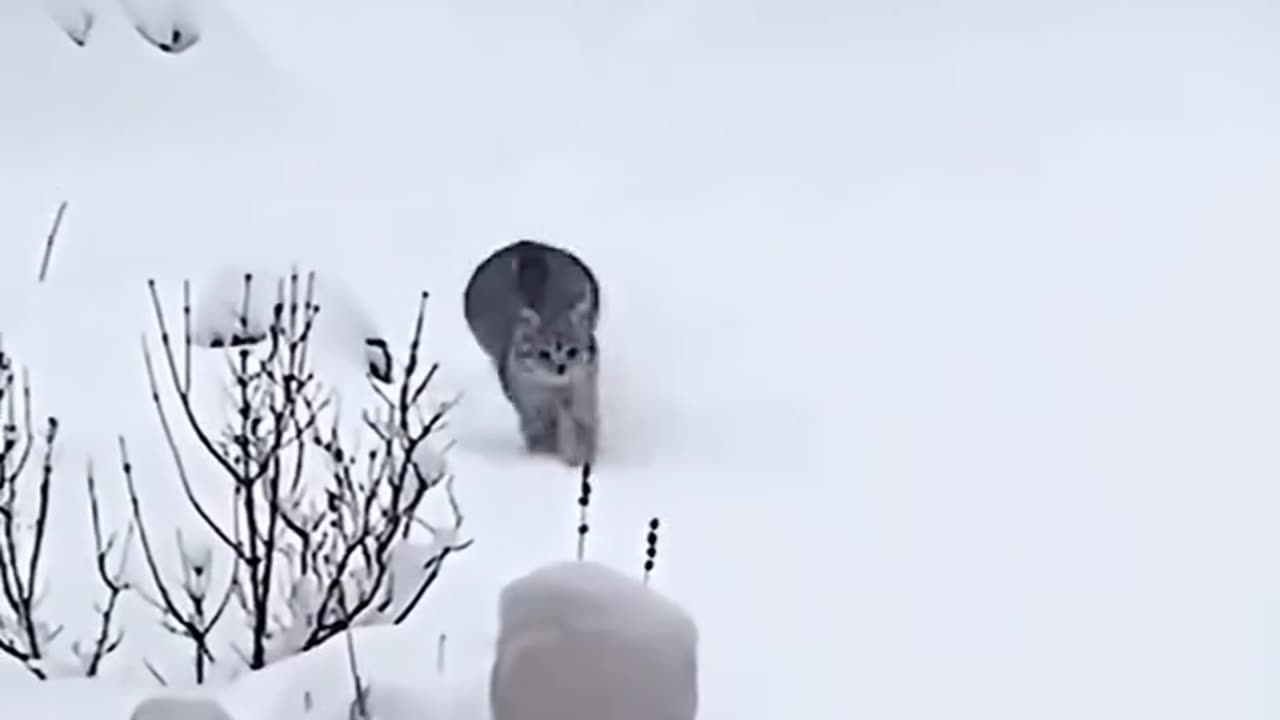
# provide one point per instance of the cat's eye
(573, 353)
(545, 354)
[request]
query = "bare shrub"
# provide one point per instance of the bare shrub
(317, 532)
(26, 488)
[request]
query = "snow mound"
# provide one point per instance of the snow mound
(381, 702)
(91, 71)
(235, 306)
(178, 708)
(579, 639)
(397, 669)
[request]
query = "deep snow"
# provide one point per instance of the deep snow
(938, 334)
(580, 639)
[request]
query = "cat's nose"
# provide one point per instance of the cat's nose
(560, 369)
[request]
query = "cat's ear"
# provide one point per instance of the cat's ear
(530, 317)
(581, 314)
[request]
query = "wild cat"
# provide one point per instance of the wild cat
(533, 309)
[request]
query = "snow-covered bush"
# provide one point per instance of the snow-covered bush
(320, 531)
(321, 537)
(580, 640)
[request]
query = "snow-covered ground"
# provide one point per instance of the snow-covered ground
(941, 336)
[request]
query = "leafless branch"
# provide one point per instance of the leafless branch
(375, 512)
(360, 702)
(105, 642)
(62, 208)
(306, 570)
(151, 668)
(195, 622)
(23, 635)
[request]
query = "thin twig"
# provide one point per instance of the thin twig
(155, 673)
(440, 654)
(194, 625)
(52, 237)
(105, 643)
(584, 504)
(360, 704)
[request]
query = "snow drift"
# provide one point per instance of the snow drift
(579, 640)
(235, 306)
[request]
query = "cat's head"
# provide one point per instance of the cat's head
(557, 350)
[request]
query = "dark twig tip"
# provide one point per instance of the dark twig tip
(651, 548)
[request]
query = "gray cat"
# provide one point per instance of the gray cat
(533, 309)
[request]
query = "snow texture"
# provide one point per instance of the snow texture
(580, 640)
(179, 708)
(941, 334)
(398, 672)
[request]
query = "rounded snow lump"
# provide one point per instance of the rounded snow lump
(580, 641)
(177, 708)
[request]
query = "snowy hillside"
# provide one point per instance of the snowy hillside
(940, 336)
